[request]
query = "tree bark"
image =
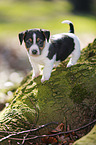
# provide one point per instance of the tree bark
(69, 95)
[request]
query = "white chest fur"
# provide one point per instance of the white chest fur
(40, 59)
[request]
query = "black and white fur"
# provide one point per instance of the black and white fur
(49, 51)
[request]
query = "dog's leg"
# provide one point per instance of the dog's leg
(36, 71)
(35, 66)
(46, 72)
(75, 55)
(73, 59)
(48, 69)
(56, 64)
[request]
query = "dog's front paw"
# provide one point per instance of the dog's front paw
(35, 76)
(44, 79)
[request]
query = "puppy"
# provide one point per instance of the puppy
(47, 51)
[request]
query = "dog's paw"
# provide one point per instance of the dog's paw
(35, 76)
(69, 64)
(44, 79)
(56, 64)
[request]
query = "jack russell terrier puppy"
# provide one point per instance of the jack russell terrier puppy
(47, 51)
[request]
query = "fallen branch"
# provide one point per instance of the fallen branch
(41, 136)
(26, 131)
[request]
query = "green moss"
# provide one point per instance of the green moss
(70, 93)
(79, 94)
(89, 53)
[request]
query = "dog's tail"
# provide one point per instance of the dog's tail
(70, 24)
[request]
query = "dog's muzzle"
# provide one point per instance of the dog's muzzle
(34, 50)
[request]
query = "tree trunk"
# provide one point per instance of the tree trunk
(69, 95)
(89, 139)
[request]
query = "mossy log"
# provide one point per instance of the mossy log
(70, 94)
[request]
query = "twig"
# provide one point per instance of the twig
(25, 138)
(6, 137)
(59, 133)
(26, 131)
(42, 136)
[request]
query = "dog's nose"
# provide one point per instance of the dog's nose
(34, 51)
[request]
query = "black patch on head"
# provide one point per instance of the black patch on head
(41, 35)
(28, 35)
(28, 39)
(40, 42)
(62, 48)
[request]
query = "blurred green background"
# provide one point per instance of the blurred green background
(20, 15)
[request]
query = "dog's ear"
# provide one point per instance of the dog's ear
(46, 34)
(21, 36)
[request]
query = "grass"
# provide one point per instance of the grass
(17, 16)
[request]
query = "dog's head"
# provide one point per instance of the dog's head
(35, 40)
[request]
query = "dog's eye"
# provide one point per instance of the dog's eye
(40, 42)
(28, 43)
